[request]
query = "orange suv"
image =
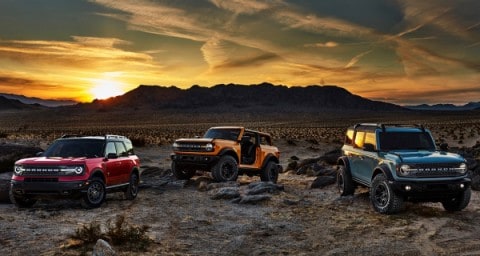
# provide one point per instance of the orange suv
(78, 167)
(227, 152)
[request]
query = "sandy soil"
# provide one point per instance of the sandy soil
(298, 221)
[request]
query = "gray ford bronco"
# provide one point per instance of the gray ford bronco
(401, 163)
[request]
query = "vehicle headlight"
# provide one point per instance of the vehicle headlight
(70, 170)
(406, 170)
(462, 168)
(209, 147)
(175, 146)
(19, 169)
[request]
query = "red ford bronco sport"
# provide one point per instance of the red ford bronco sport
(78, 167)
(227, 152)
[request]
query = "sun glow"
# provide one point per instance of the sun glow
(105, 89)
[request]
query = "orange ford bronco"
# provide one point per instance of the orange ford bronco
(227, 152)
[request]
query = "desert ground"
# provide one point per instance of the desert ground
(183, 218)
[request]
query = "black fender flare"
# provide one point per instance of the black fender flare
(97, 173)
(268, 158)
(230, 152)
(384, 169)
(343, 160)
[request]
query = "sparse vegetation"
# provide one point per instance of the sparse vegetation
(119, 233)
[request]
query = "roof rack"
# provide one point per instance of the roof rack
(69, 136)
(112, 136)
(383, 126)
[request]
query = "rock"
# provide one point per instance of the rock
(202, 186)
(256, 188)
(251, 199)
(331, 157)
(225, 193)
(291, 166)
(102, 248)
(10, 153)
(323, 181)
(5, 186)
(294, 158)
(212, 186)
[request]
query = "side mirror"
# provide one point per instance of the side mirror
(368, 147)
(112, 156)
(444, 147)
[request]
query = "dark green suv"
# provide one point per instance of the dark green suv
(401, 163)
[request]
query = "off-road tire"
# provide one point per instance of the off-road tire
(132, 189)
(226, 169)
(21, 201)
(384, 199)
(345, 183)
(182, 173)
(269, 172)
(95, 194)
(458, 203)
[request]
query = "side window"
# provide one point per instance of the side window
(121, 151)
(265, 140)
(349, 137)
(129, 147)
(370, 138)
(110, 149)
(359, 139)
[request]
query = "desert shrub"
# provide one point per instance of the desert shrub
(89, 233)
(124, 234)
(119, 233)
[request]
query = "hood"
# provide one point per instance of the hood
(51, 161)
(426, 157)
(195, 140)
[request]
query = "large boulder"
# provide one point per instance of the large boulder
(10, 153)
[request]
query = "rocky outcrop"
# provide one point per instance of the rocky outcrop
(322, 167)
(248, 194)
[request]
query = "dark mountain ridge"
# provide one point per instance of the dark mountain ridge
(446, 107)
(11, 104)
(35, 100)
(233, 97)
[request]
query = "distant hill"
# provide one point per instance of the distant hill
(446, 107)
(34, 100)
(10, 104)
(232, 97)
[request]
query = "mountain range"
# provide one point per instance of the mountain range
(11, 104)
(446, 107)
(34, 100)
(228, 98)
(232, 97)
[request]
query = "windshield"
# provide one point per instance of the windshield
(225, 134)
(76, 148)
(406, 141)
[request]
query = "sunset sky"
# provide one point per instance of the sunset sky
(404, 52)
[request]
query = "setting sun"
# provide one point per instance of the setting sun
(105, 89)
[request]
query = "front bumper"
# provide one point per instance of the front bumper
(194, 160)
(430, 191)
(46, 188)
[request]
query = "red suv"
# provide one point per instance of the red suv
(78, 167)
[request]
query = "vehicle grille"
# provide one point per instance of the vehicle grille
(41, 171)
(191, 147)
(436, 170)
